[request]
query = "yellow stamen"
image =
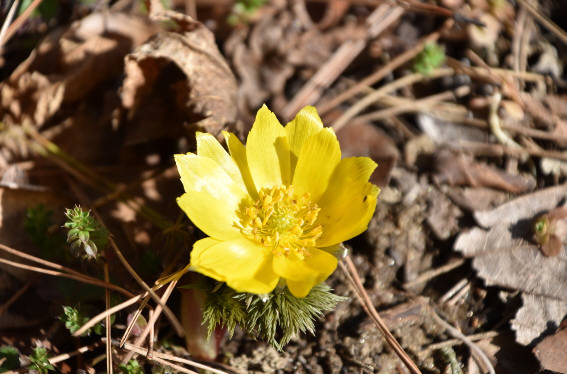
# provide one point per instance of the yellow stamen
(281, 220)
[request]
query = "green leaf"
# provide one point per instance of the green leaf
(40, 362)
(431, 57)
(132, 367)
(73, 319)
(10, 356)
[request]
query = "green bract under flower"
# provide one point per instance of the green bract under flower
(273, 208)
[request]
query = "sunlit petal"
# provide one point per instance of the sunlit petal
(238, 153)
(349, 202)
(238, 260)
(300, 289)
(264, 281)
(267, 151)
(315, 267)
(209, 146)
(317, 160)
(211, 196)
(305, 124)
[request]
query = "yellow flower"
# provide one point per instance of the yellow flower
(273, 208)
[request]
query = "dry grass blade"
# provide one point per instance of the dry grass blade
(19, 21)
(152, 320)
(350, 271)
(72, 274)
(477, 352)
(546, 22)
(14, 297)
(390, 87)
(382, 72)
(165, 356)
(426, 276)
(384, 16)
(174, 321)
(133, 321)
(94, 320)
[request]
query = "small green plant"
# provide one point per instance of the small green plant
(275, 317)
(40, 362)
(9, 358)
(132, 367)
(243, 9)
(431, 57)
(73, 319)
(85, 233)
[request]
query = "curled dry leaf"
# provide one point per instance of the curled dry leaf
(506, 255)
(457, 169)
(178, 77)
(68, 64)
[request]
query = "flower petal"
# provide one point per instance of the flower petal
(209, 146)
(300, 289)
(349, 202)
(263, 282)
(317, 160)
(238, 154)
(267, 151)
(198, 248)
(311, 270)
(211, 197)
(243, 265)
(306, 123)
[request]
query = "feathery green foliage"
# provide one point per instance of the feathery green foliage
(85, 233)
(40, 362)
(275, 317)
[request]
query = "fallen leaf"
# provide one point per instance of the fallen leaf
(506, 255)
(552, 351)
(455, 168)
(175, 78)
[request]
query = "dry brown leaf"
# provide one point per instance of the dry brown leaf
(506, 255)
(458, 169)
(552, 351)
(178, 77)
(68, 64)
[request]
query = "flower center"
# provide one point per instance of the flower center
(281, 220)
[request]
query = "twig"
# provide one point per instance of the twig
(458, 286)
(152, 320)
(382, 72)
(546, 22)
(430, 274)
(94, 320)
(165, 356)
(476, 351)
(80, 278)
(19, 21)
(8, 19)
(107, 322)
(66, 356)
(412, 106)
(384, 16)
(371, 311)
(390, 87)
(15, 297)
(171, 316)
(443, 344)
